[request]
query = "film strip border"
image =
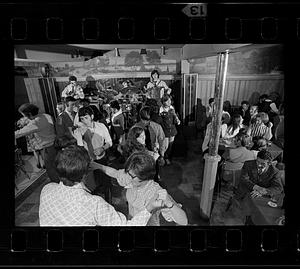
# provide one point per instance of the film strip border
(153, 23)
(191, 246)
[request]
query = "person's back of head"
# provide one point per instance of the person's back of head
(265, 155)
(142, 164)
(242, 139)
(83, 111)
(72, 164)
(259, 143)
(69, 99)
(72, 78)
(115, 105)
(264, 117)
(28, 110)
(211, 100)
(84, 102)
(145, 113)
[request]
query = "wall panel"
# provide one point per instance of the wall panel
(239, 88)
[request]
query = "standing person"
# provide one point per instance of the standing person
(209, 109)
(70, 202)
(96, 139)
(34, 143)
(86, 103)
(155, 136)
(200, 118)
(135, 142)
(156, 88)
(117, 122)
(73, 89)
(137, 178)
(245, 112)
(169, 120)
(60, 108)
(41, 124)
(65, 122)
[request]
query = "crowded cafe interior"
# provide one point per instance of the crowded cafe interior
(149, 134)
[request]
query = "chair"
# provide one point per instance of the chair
(234, 172)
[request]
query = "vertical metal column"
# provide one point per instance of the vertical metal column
(212, 159)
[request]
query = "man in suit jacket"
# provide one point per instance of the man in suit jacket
(65, 121)
(258, 178)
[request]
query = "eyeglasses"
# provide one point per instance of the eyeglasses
(132, 177)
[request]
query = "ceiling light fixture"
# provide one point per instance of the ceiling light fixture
(163, 50)
(117, 53)
(143, 51)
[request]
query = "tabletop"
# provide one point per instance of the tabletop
(261, 213)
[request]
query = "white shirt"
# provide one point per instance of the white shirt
(62, 205)
(159, 83)
(100, 135)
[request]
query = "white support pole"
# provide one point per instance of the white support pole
(212, 158)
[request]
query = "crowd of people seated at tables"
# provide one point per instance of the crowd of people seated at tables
(246, 137)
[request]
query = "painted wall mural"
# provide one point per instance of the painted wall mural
(131, 61)
(255, 61)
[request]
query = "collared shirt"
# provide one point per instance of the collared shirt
(74, 91)
(62, 205)
(157, 136)
(138, 197)
(100, 137)
(43, 127)
(161, 84)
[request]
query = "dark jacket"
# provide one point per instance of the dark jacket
(62, 125)
(270, 179)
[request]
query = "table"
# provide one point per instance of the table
(261, 213)
(275, 151)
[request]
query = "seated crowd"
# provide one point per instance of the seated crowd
(245, 137)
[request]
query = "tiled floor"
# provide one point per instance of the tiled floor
(182, 179)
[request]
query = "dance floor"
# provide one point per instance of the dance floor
(185, 187)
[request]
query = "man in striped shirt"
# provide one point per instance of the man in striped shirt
(261, 127)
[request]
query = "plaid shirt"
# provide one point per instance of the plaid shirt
(62, 205)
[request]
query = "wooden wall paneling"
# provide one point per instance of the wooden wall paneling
(34, 93)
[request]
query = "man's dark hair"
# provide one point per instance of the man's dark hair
(69, 99)
(83, 111)
(142, 164)
(210, 100)
(154, 72)
(145, 113)
(245, 103)
(165, 97)
(72, 78)
(115, 104)
(28, 109)
(72, 164)
(84, 102)
(264, 155)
